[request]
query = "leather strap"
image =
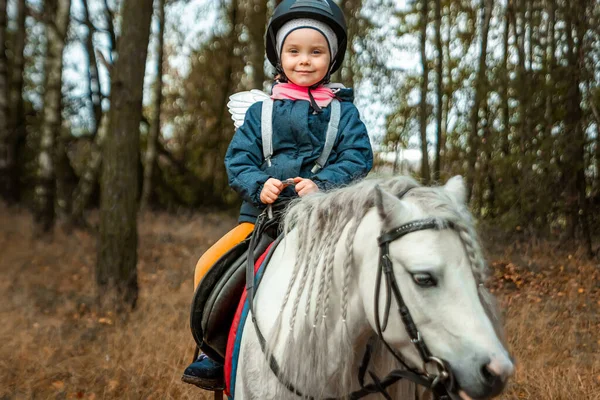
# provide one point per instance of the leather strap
(266, 128)
(332, 131)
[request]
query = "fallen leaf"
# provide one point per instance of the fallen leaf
(112, 385)
(58, 385)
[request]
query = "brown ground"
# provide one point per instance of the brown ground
(55, 344)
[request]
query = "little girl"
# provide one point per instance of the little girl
(306, 43)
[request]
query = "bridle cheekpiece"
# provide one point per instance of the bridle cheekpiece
(443, 382)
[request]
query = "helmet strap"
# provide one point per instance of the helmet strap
(326, 79)
(313, 103)
(281, 73)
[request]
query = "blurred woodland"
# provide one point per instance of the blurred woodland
(118, 105)
(503, 92)
(114, 108)
(104, 105)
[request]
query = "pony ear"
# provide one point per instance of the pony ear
(456, 187)
(389, 207)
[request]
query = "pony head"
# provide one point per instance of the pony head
(329, 263)
(439, 273)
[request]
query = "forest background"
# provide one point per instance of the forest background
(112, 180)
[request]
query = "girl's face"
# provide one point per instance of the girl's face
(305, 56)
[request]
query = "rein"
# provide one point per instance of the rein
(440, 384)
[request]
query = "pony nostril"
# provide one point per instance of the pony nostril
(489, 376)
(498, 368)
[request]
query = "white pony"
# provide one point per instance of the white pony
(316, 300)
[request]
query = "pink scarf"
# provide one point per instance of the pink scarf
(290, 91)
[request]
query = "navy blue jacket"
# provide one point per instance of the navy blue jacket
(298, 140)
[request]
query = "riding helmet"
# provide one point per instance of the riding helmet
(323, 10)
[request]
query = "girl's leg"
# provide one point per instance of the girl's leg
(204, 372)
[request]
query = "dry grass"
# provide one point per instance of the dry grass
(56, 344)
(551, 299)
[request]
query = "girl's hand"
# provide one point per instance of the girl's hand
(271, 190)
(305, 186)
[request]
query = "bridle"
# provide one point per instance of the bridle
(440, 384)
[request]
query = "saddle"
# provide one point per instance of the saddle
(217, 296)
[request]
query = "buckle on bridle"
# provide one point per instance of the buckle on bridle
(443, 376)
(417, 341)
(439, 365)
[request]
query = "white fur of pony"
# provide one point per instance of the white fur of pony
(315, 301)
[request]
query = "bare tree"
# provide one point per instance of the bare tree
(57, 14)
(5, 178)
(574, 168)
(16, 120)
(423, 117)
(88, 179)
(480, 96)
(256, 21)
(505, 81)
(439, 90)
(116, 272)
(154, 133)
(94, 86)
(348, 72)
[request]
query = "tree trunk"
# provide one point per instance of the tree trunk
(518, 178)
(521, 76)
(425, 176)
(449, 87)
(256, 21)
(488, 191)
(66, 178)
(439, 92)
(110, 26)
(57, 15)
(575, 146)
(219, 141)
(94, 86)
(480, 95)
(505, 144)
(116, 272)
(596, 114)
(89, 177)
(351, 10)
(16, 116)
(154, 133)
(5, 146)
(550, 61)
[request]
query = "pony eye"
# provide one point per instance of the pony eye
(424, 280)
